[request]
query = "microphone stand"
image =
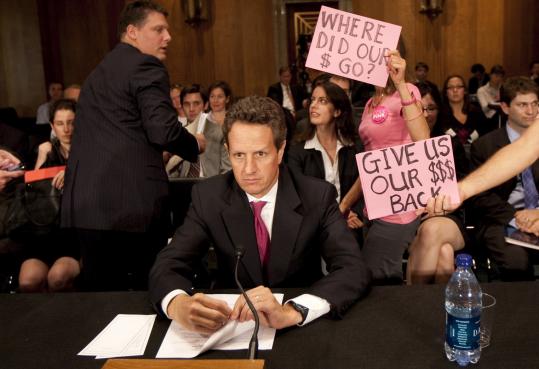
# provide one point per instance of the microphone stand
(253, 344)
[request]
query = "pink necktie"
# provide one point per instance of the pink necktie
(262, 235)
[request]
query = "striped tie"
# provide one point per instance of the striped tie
(531, 197)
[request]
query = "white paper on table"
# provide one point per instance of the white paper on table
(125, 335)
(181, 343)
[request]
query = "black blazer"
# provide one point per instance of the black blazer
(492, 204)
(275, 92)
(310, 163)
(307, 224)
(115, 177)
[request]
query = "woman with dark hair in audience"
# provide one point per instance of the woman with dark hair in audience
(326, 149)
(52, 263)
(431, 254)
(459, 118)
(393, 116)
(220, 96)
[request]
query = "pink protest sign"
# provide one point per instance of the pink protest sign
(402, 178)
(352, 46)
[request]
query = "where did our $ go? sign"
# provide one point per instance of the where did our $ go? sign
(402, 178)
(352, 46)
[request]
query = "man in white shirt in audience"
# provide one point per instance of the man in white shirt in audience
(489, 97)
(55, 93)
(281, 221)
(284, 93)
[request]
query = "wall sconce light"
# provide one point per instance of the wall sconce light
(432, 8)
(196, 11)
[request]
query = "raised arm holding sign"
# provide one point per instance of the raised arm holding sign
(392, 117)
(352, 46)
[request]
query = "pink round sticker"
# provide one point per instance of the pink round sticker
(380, 114)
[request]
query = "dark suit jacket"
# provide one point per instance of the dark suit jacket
(275, 92)
(310, 163)
(307, 224)
(492, 204)
(115, 177)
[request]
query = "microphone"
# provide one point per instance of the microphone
(253, 344)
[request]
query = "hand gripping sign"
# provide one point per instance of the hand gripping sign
(402, 178)
(352, 46)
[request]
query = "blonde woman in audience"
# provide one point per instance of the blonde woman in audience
(52, 260)
(393, 116)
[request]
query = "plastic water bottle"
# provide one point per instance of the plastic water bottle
(463, 314)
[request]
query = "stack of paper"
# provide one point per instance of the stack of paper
(181, 343)
(125, 335)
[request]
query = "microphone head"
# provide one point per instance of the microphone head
(239, 251)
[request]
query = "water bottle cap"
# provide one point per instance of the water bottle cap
(464, 260)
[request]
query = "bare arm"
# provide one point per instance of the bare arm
(505, 164)
(413, 114)
(43, 150)
(351, 197)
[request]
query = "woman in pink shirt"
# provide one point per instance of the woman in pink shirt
(393, 116)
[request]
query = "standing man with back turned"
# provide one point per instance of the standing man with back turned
(116, 188)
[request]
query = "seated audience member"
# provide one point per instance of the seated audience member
(534, 70)
(284, 221)
(175, 92)
(52, 261)
(431, 254)
(392, 117)
(361, 93)
(479, 78)
(55, 93)
(489, 98)
(328, 146)
(513, 204)
(220, 97)
(286, 94)
(214, 159)
(345, 84)
(72, 92)
(421, 75)
(459, 118)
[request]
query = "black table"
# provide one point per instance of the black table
(393, 327)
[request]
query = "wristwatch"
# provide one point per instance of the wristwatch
(300, 309)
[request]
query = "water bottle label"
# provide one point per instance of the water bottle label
(462, 333)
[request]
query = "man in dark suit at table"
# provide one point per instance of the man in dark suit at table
(513, 204)
(284, 221)
(116, 188)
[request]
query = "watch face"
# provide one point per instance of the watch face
(302, 310)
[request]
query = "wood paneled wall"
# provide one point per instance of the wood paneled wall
(21, 67)
(237, 45)
(468, 31)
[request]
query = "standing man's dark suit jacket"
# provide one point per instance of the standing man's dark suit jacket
(275, 92)
(307, 224)
(115, 177)
(493, 204)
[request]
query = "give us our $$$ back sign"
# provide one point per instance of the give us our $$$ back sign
(402, 178)
(352, 46)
